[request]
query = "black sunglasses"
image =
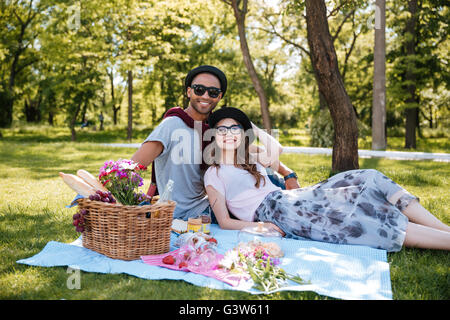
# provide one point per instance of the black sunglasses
(200, 90)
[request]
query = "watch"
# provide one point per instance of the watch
(290, 175)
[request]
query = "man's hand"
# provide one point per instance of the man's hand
(291, 183)
(282, 169)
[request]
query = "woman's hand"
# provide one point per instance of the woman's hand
(274, 226)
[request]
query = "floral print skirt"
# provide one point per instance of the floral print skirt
(351, 207)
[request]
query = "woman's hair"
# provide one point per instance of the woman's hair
(242, 160)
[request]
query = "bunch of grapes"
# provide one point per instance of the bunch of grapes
(78, 220)
(102, 196)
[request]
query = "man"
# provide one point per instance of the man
(170, 144)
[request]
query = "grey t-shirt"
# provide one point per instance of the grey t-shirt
(180, 161)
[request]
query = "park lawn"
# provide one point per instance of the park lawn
(433, 141)
(32, 213)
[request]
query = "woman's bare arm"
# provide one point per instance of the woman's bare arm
(219, 207)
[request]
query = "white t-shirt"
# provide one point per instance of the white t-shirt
(238, 188)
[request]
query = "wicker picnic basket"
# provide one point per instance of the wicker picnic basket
(127, 232)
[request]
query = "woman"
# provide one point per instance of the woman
(360, 207)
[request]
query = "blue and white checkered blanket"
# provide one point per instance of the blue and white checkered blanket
(339, 271)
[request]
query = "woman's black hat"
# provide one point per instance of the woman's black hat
(206, 69)
(233, 113)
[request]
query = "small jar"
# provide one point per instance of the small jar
(206, 223)
(194, 225)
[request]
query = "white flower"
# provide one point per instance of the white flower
(230, 259)
(128, 166)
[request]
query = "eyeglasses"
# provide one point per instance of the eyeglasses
(234, 129)
(200, 90)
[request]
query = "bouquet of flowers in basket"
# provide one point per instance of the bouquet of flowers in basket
(118, 181)
(255, 260)
(123, 178)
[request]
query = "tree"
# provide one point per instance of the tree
(347, 23)
(379, 78)
(325, 64)
(21, 20)
(75, 54)
(419, 58)
(412, 109)
(240, 8)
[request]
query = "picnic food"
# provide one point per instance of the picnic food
(77, 184)
(194, 224)
(168, 259)
(102, 196)
(155, 199)
(91, 180)
(206, 223)
(196, 240)
(272, 248)
(179, 226)
(78, 220)
(212, 240)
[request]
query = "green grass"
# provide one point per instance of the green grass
(32, 213)
(45, 134)
(433, 141)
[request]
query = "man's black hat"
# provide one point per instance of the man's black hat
(233, 113)
(206, 69)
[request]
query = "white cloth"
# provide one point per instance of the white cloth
(238, 188)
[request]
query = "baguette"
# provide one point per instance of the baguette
(90, 179)
(77, 184)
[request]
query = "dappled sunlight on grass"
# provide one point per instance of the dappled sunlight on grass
(48, 134)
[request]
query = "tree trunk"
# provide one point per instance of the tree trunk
(73, 133)
(6, 109)
(430, 120)
(324, 61)
(8, 96)
(379, 78)
(50, 118)
(411, 113)
(130, 106)
(239, 14)
(83, 113)
(410, 128)
(9, 106)
(113, 97)
(32, 110)
(116, 111)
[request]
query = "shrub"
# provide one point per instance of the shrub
(321, 129)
